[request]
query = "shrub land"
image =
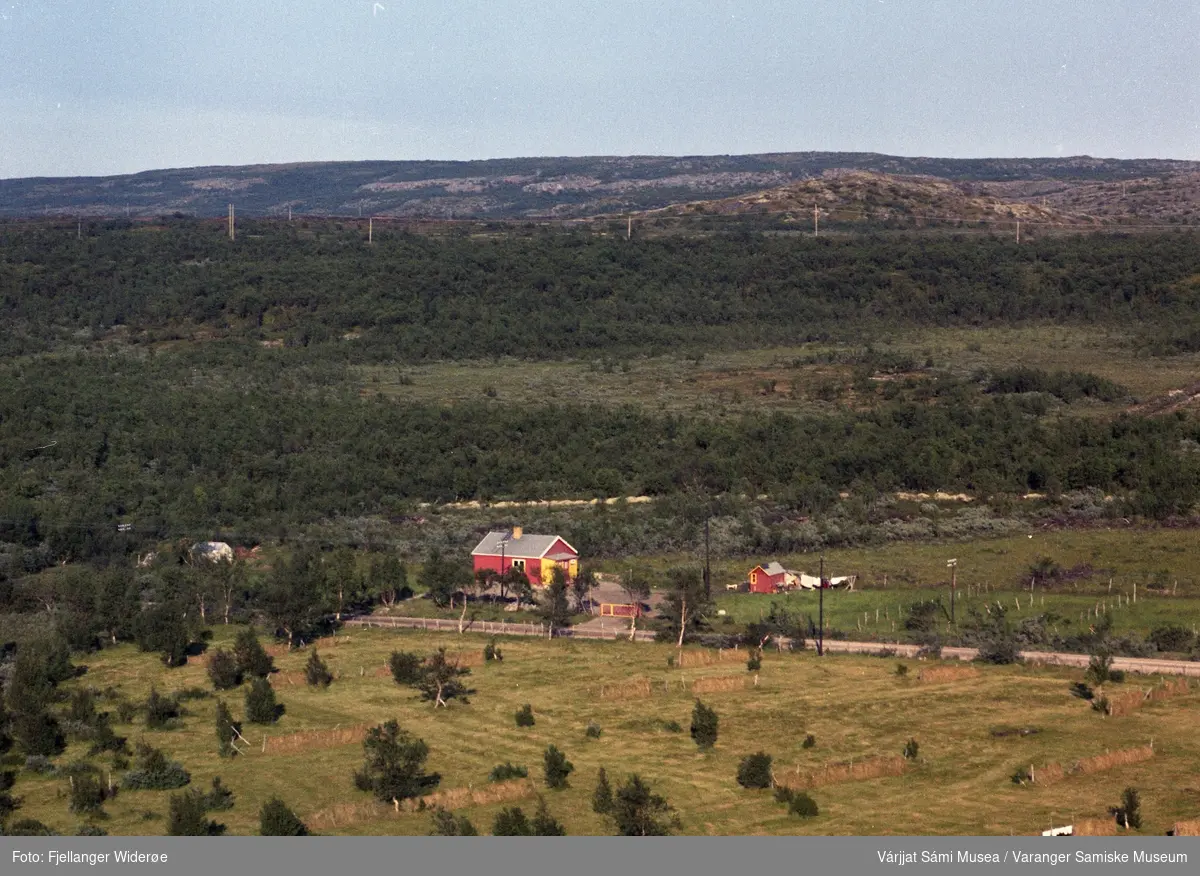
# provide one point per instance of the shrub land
(959, 784)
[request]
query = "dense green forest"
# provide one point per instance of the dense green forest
(135, 389)
(553, 294)
(91, 441)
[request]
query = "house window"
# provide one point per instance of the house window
(519, 565)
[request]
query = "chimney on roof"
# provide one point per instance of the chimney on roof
(516, 532)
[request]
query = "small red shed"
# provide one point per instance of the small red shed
(767, 579)
(535, 555)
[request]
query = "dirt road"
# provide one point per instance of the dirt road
(620, 630)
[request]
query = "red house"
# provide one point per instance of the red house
(535, 555)
(767, 579)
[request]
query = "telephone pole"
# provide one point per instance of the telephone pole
(371, 230)
(707, 573)
(953, 564)
(629, 228)
(231, 229)
(816, 222)
(821, 611)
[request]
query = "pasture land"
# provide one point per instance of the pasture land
(973, 735)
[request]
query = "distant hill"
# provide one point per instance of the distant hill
(557, 187)
(852, 196)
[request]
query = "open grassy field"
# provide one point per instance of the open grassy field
(790, 379)
(1123, 554)
(856, 707)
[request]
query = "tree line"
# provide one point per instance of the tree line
(415, 298)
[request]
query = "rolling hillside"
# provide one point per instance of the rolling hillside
(561, 187)
(852, 196)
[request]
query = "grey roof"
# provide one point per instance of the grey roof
(774, 569)
(528, 545)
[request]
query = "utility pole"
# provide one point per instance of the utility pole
(707, 572)
(79, 229)
(1018, 231)
(629, 228)
(816, 223)
(953, 564)
(289, 212)
(231, 229)
(821, 611)
(371, 230)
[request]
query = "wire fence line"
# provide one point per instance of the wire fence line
(496, 628)
(1140, 665)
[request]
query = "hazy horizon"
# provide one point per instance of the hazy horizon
(146, 85)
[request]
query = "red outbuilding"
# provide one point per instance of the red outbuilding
(535, 555)
(767, 579)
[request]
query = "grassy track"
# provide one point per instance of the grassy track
(856, 707)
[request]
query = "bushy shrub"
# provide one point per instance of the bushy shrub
(755, 771)
(29, 827)
(911, 749)
(1172, 638)
(276, 819)
(1099, 668)
(38, 732)
(223, 670)
(261, 707)
(602, 797)
(87, 794)
(316, 673)
(704, 726)
(187, 815)
(218, 798)
(406, 667)
(491, 652)
(161, 711)
(502, 772)
(672, 726)
(593, 730)
(446, 824)
(557, 768)
(227, 731)
(525, 716)
(154, 772)
(638, 811)
(394, 765)
(1128, 814)
(809, 741)
(802, 805)
(252, 658)
(511, 821)
(999, 650)
(40, 764)
(754, 663)
(81, 707)
(901, 670)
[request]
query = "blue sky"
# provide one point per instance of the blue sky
(92, 88)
